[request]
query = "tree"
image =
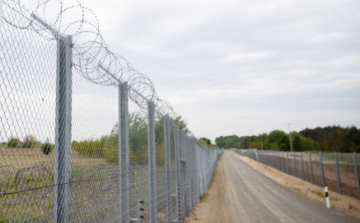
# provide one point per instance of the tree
(297, 144)
(181, 123)
(227, 142)
(29, 141)
(278, 140)
(206, 140)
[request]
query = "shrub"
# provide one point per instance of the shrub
(46, 148)
(29, 141)
(13, 142)
(111, 154)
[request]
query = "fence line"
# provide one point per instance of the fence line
(338, 171)
(73, 147)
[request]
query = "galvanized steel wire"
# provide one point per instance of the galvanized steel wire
(73, 148)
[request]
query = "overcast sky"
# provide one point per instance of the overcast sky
(243, 67)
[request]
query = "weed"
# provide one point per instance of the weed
(202, 197)
(318, 193)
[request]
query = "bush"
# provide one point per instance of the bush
(112, 154)
(13, 142)
(29, 141)
(47, 148)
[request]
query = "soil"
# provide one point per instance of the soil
(209, 210)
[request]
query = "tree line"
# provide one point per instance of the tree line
(330, 139)
(107, 145)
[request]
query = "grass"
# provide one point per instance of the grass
(21, 169)
(318, 193)
(204, 196)
(22, 158)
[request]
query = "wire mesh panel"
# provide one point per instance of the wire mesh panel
(330, 171)
(173, 173)
(310, 165)
(160, 171)
(27, 116)
(95, 149)
(291, 163)
(139, 171)
(307, 170)
(297, 159)
(316, 169)
(348, 178)
(71, 150)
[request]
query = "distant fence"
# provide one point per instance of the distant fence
(84, 136)
(338, 171)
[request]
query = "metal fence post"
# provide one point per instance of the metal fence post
(63, 130)
(167, 168)
(295, 170)
(322, 170)
(123, 126)
(152, 162)
(338, 172)
(179, 195)
(357, 177)
(311, 169)
(302, 166)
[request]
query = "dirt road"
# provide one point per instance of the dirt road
(242, 194)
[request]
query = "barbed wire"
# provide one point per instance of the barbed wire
(92, 59)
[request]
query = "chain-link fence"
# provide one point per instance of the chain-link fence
(84, 136)
(338, 171)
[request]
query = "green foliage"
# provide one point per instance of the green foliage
(206, 140)
(278, 140)
(111, 154)
(297, 146)
(181, 123)
(138, 138)
(201, 142)
(160, 154)
(330, 139)
(227, 142)
(354, 148)
(91, 147)
(334, 138)
(13, 142)
(302, 143)
(46, 148)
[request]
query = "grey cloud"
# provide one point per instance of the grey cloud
(278, 56)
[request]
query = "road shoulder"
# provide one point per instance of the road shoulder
(209, 209)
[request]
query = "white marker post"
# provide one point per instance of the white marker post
(327, 199)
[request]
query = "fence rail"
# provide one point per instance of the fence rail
(84, 136)
(338, 171)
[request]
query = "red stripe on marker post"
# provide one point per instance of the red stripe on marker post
(327, 199)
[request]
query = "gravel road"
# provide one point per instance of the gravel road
(246, 195)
